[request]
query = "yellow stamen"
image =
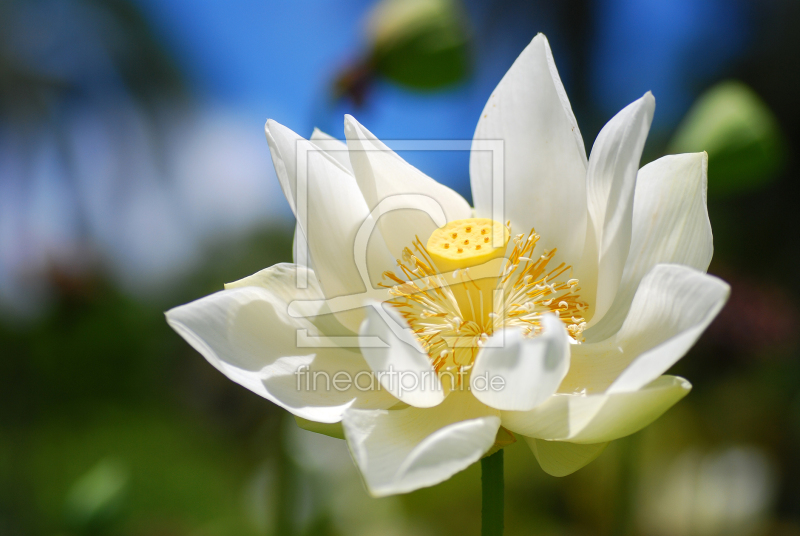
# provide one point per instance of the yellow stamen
(460, 289)
(471, 249)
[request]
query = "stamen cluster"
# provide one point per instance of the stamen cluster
(524, 290)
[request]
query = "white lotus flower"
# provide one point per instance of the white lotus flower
(595, 305)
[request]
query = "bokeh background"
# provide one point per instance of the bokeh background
(134, 176)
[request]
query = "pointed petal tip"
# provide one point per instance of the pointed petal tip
(353, 129)
(701, 155)
(540, 40)
(274, 130)
(350, 122)
(684, 383)
(648, 101)
(172, 314)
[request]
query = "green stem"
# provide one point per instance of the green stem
(628, 449)
(493, 494)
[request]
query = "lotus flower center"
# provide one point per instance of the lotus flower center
(464, 285)
(467, 243)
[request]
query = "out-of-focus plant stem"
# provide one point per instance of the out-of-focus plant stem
(624, 507)
(492, 494)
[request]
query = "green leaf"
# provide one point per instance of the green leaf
(745, 146)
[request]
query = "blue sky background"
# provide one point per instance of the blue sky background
(277, 60)
(151, 189)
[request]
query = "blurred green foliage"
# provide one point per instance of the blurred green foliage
(110, 424)
(97, 496)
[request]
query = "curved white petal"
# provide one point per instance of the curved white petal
(281, 280)
(298, 243)
(403, 450)
(597, 418)
(337, 149)
(670, 225)
(400, 364)
(672, 307)
(610, 182)
(246, 333)
(334, 212)
(381, 174)
(531, 369)
(283, 148)
(559, 458)
(544, 160)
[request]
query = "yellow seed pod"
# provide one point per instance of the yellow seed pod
(467, 243)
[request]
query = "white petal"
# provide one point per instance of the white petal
(282, 281)
(610, 182)
(335, 211)
(559, 458)
(531, 369)
(670, 225)
(597, 418)
(298, 243)
(246, 333)
(382, 174)
(673, 306)
(283, 148)
(403, 450)
(402, 366)
(337, 149)
(544, 157)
